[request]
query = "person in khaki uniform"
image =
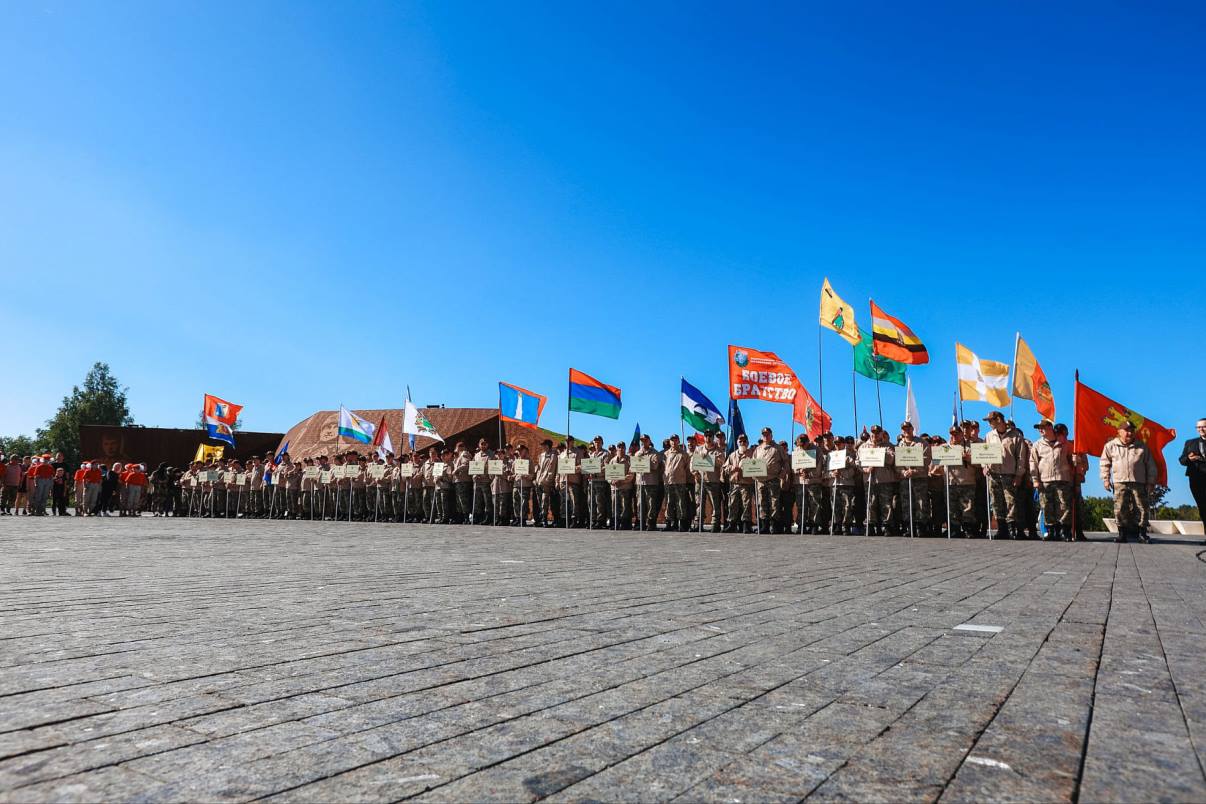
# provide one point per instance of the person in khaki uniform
(600, 490)
(963, 489)
(800, 484)
(502, 487)
(676, 475)
(845, 478)
(462, 484)
(1080, 469)
(431, 491)
(817, 489)
(768, 488)
(483, 501)
(548, 502)
(971, 435)
(1006, 478)
(623, 488)
(741, 488)
(648, 486)
(525, 485)
(576, 511)
(914, 485)
(713, 485)
(1130, 472)
(881, 482)
(1052, 473)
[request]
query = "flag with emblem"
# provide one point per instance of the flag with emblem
(837, 315)
(416, 423)
(806, 412)
(1029, 381)
(519, 405)
(355, 427)
(1097, 418)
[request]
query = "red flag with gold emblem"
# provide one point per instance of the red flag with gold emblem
(805, 411)
(1097, 419)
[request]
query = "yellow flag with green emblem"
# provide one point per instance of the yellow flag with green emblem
(837, 315)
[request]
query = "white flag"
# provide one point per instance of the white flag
(911, 414)
(415, 423)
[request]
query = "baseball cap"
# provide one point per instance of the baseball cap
(1044, 423)
(996, 415)
(1127, 425)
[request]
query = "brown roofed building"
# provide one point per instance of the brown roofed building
(319, 433)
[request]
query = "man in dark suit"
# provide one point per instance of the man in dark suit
(1193, 458)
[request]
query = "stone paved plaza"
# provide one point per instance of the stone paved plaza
(180, 660)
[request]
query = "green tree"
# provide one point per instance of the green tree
(20, 445)
(101, 400)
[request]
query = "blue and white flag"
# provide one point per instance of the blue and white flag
(519, 405)
(219, 431)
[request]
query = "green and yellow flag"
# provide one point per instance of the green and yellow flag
(877, 367)
(837, 315)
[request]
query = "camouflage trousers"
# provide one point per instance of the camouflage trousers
(741, 498)
(1055, 498)
(963, 508)
(881, 504)
(521, 501)
(483, 504)
(713, 495)
(548, 501)
(1130, 505)
(769, 500)
(680, 508)
(816, 505)
(1005, 499)
(623, 512)
(600, 502)
(845, 506)
(920, 493)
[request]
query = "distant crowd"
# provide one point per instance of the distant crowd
(914, 485)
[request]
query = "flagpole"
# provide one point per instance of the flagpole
(682, 427)
(854, 393)
(500, 427)
(879, 401)
(820, 375)
(1013, 370)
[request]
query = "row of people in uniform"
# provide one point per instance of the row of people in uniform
(817, 487)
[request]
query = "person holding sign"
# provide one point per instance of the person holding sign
(1130, 472)
(1005, 479)
(431, 492)
(741, 488)
(676, 474)
(622, 483)
(501, 485)
(880, 473)
(600, 489)
(769, 499)
(648, 484)
(711, 480)
(807, 463)
(912, 466)
(483, 501)
(547, 501)
(576, 511)
(962, 478)
(524, 479)
(844, 472)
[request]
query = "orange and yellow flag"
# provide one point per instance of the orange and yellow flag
(1029, 381)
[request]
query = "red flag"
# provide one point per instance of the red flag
(754, 374)
(219, 410)
(807, 412)
(381, 439)
(1098, 417)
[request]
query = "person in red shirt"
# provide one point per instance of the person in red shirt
(92, 485)
(78, 484)
(42, 475)
(134, 480)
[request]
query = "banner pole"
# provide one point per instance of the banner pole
(854, 396)
(912, 534)
(820, 374)
(1013, 370)
(879, 401)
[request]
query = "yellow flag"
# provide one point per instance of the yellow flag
(206, 453)
(981, 380)
(837, 315)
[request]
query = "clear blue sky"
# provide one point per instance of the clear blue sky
(253, 198)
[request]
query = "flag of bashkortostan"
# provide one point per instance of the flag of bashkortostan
(354, 427)
(698, 410)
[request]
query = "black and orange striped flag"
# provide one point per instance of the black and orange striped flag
(893, 340)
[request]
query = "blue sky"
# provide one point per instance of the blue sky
(252, 199)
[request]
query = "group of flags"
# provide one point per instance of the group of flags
(881, 354)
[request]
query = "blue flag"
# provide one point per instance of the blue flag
(280, 453)
(219, 431)
(736, 424)
(519, 405)
(636, 439)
